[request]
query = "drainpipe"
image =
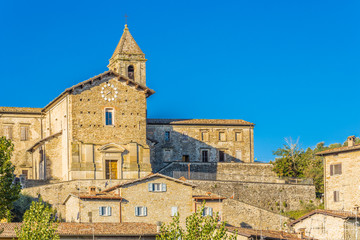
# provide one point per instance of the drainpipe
(189, 170)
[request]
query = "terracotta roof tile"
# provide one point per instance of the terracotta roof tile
(145, 178)
(248, 232)
(333, 213)
(200, 122)
(20, 110)
(339, 149)
(87, 229)
(105, 196)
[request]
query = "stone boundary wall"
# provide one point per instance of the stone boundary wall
(240, 214)
(56, 193)
(270, 196)
(247, 172)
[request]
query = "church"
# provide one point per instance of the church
(98, 129)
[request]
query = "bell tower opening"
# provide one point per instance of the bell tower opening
(128, 57)
(131, 72)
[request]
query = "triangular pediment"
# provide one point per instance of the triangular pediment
(112, 147)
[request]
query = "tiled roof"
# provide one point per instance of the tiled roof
(333, 213)
(99, 77)
(208, 196)
(22, 110)
(87, 229)
(145, 178)
(268, 234)
(97, 196)
(339, 149)
(200, 122)
(127, 44)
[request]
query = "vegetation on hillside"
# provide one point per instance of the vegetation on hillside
(293, 161)
(9, 189)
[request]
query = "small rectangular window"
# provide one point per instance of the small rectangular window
(174, 211)
(336, 196)
(167, 136)
(157, 187)
(335, 169)
(109, 116)
(222, 136)
(167, 155)
(205, 155)
(8, 131)
(185, 158)
(205, 136)
(238, 136)
(24, 133)
(140, 211)
(221, 156)
(208, 211)
(105, 211)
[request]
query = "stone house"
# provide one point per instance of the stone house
(341, 178)
(98, 129)
(154, 198)
(93, 207)
(213, 204)
(328, 225)
(90, 231)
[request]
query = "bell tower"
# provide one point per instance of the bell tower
(128, 59)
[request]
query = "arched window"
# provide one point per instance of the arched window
(131, 72)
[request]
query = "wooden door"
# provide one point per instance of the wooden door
(111, 169)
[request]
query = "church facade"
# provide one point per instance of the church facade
(98, 129)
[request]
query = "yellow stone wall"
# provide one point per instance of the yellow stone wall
(158, 203)
(347, 183)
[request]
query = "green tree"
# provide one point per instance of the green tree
(20, 206)
(197, 227)
(39, 223)
(9, 190)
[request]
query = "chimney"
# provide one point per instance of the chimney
(301, 233)
(158, 226)
(92, 190)
(351, 141)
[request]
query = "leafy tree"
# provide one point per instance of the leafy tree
(39, 223)
(9, 190)
(197, 227)
(293, 161)
(20, 206)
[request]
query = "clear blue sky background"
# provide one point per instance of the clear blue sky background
(291, 67)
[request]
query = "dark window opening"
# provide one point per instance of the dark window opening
(185, 158)
(167, 136)
(221, 156)
(131, 72)
(205, 155)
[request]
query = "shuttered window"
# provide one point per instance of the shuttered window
(204, 155)
(24, 133)
(140, 211)
(8, 131)
(157, 187)
(222, 136)
(208, 211)
(109, 116)
(205, 136)
(105, 211)
(335, 169)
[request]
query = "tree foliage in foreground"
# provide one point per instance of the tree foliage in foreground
(9, 190)
(197, 227)
(292, 161)
(39, 223)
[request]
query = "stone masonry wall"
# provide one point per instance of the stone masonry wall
(56, 193)
(188, 140)
(244, 215)
(270, 196)
(246, 172)
(21, 158)
(346, 184)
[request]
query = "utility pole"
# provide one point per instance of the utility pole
(356, 222)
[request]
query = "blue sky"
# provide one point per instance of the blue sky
(291, 67)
